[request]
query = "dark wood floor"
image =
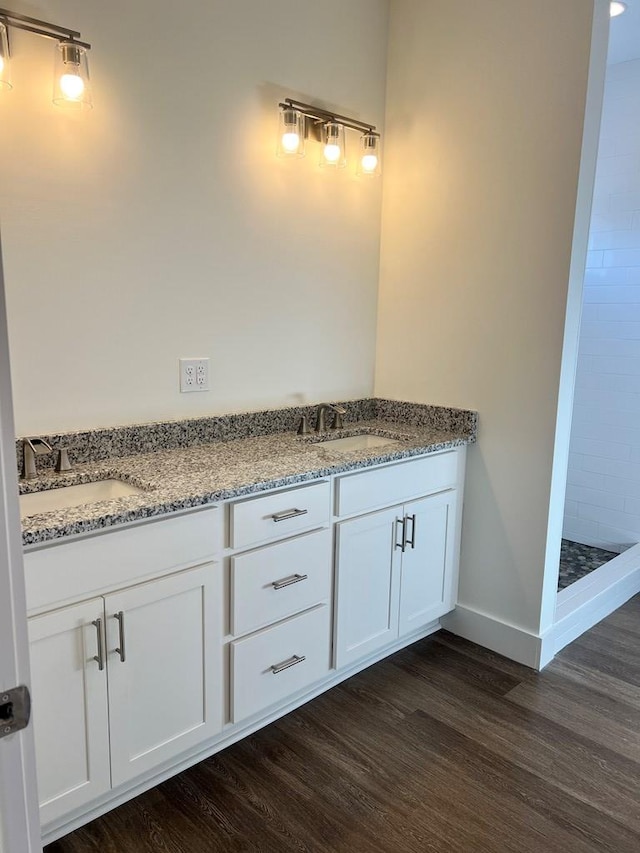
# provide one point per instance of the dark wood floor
(443, 747)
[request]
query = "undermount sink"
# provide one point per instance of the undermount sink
(64, 497)
(359, 442)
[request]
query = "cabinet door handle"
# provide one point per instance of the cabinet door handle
(121, 648)
(288, 513)
(288, 581)
(402, 544)
(286, 664)
(411, 541)
(100, 656)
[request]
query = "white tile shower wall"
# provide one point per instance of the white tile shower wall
(603, 487)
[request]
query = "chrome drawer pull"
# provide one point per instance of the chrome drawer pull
(412, 541)
(100, 656)
(286, 514)
(121, 649)
(288, 581)
(280, 667)
(403, 542)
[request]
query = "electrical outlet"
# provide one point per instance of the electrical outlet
(194, 374)
(202, 374)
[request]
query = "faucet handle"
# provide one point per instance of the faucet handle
(63, 465)
(303, 428)
(338, 422)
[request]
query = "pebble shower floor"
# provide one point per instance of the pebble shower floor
(578, 560)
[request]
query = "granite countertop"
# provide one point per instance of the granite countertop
(207, 473)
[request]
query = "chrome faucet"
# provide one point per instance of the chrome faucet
(32, 447)
(321, 422)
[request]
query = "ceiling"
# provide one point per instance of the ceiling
(624, 37)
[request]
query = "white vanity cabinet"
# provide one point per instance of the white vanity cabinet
(395, 567)
(159, 643)
(126, 681)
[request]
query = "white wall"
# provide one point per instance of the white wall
(603, 485)
(162, 225)
(485, 112)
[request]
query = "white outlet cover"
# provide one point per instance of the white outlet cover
(194, 374)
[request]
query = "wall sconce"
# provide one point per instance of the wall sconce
(298, 121)
(71, 86)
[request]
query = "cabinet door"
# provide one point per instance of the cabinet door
(165, 669)
(70, 718)
(427, 563)
(368, 576)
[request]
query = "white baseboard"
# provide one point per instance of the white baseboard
(509, 640)
(589, 600)
(578, 608)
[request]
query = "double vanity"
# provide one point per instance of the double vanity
(187, 594)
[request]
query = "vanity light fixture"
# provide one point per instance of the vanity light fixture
(71, 86)
(617, 7)
(298, 121)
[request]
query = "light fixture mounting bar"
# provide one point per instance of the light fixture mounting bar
(321, 115)
(41, 28)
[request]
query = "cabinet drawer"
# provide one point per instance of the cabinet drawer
(274, 582)
(277, 515)
(396, 483)
(120, 557)
(277, 662)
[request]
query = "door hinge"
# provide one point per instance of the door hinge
(15, 710)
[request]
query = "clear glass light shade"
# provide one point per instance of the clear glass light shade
(71, 87)
(290, 133)
(333, 145)
(369, 156)
(616, 7)
(5, 77)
